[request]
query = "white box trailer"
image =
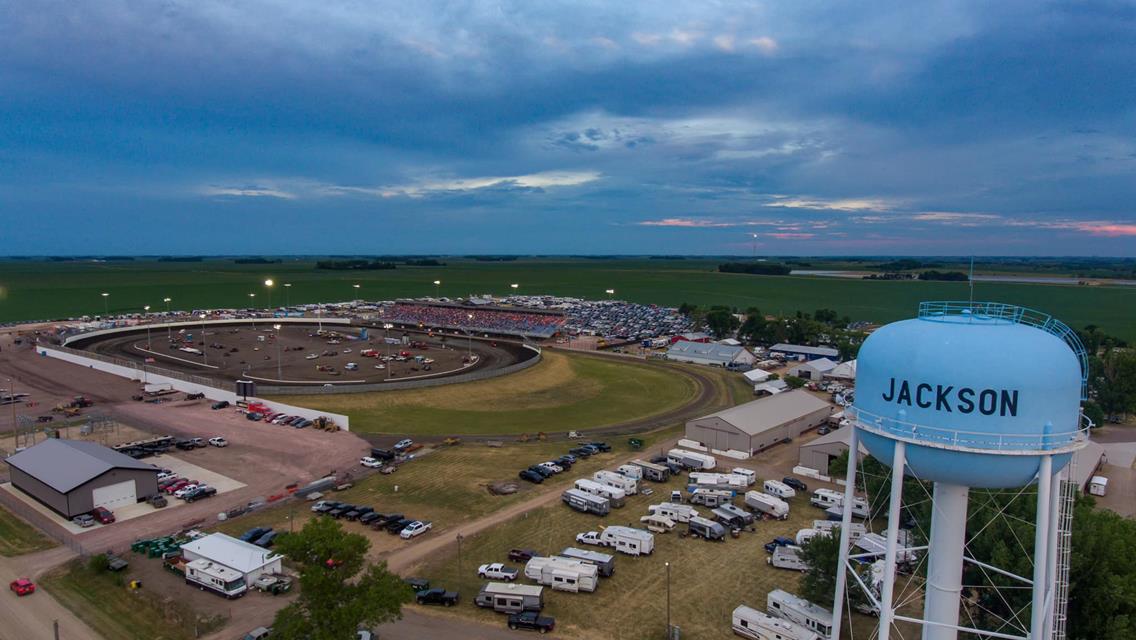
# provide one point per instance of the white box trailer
(1098, 486)
(615, 496)
(787, 557)
(692, 460)
(617, 480)
(586, 502)
(633, 542)
(728, 481)
(604, 562)
(779, 489)
(630, 471)
(766, 504)
(787, 606)
(876, 544)
(562, 574)
(509, 597)
(756, 625)
(653, 472)
(855, 529)
(828, 498)
(748, 474)
(673, 511)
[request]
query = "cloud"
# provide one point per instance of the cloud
(246, 192)
(533, 181)
(765, 44)
(952, 216)
(1107, 229)
(688, 223)
(840, 204)
(791, 236)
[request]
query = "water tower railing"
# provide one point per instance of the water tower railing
(1002, 443)
(956, 309)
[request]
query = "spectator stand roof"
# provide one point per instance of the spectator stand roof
(64, 465)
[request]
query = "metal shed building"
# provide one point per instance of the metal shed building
(72, 477)
(247, 559)
(719, 355)
(809, 353)
(757, 425)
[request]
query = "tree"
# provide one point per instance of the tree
(822, 556)
(1102, 575)
(794, 382)
(1113, 378)
(721, 322)
(339, 592)
(827, 316)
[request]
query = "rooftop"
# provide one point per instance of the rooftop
(828, 352)
(706, 351)
(230, 552)
(66, 464)
(767, 413)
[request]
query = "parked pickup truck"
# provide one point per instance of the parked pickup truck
(437, 596)
(591, 537)
(497, 571)
(531, 620)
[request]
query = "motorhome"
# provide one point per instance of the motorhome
(787, 606)
(779, 489)
(756, 625)
(653, 472)
(509, 597)
(727, 481)
(211, 576)
(562, 574)
(855, 529)
(730, 520)
(766, 504)
(586, 502)
(615, 496)
(657, 524)
(692, 460)
(604, 562)
(787, 557)
(617, 480)
(631, 471)
(748, 474)
(708, 529)
(633, 542)
(876, 544)
(673, 511)
(711, 497)
(828, 498)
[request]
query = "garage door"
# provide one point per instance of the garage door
(115, 495)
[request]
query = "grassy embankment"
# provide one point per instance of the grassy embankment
(18, 537)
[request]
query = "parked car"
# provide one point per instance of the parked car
(158, 501)
(224, 404)
(824, 431)
(566, 460)
(103, 515)
(522, 555)
(174, 486)
(437, 596)
(591, 537)
(253, 534)
(254, 416)
(22, 586)
(382, 522)
(796, 484)
(582, 452)
(383, 454)
(259, 633)
(84, 520)
(267, 539)
(497, 571)
(396, 526)
(599, 446)
(370, 463)
(551, 466)
(403, 444)
(200, 493)
(779, 541)
(415, 529)
(531, 620)
(318, 506)
(368, 518)
(218, 442)
(417, 584)
(546, 473)
(531, 476)
(341, 510)
(186, 489)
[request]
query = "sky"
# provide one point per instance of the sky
(668, 127)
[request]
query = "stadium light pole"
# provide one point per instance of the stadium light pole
(15, 428)
(437, 288)
(169, 329)
(515, 286)
(356, 287)
(469, 336)
(287, 294)
(609, 292)
(147, 310)
(386, 334)
(279, 374)
(252, 302)
(668, 566)
(268, 285)
(106, 304)
(205, 348)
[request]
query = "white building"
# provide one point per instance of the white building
(246, 559)
(814, 370)
(718, 355)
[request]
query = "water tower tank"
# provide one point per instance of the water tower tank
(979, 391)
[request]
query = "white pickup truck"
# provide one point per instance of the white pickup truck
(497, 571)
(591, 537)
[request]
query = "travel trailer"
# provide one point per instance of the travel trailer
(631, 471)
(213, 577)
(855, 529)
(657, 524)
(787, 606)
(779, 489)
(727, 519)
(753, 624)
(748, 474)
(615, 496)
(766, 504)
(562, 574)
(633, 542)
(827, 498)
(787, 557)
(876, 543)
(653, 472)
(727, 481)
(746, 517)
(603, 562)
(586, 502)
(617, 480)
(708, 529)
(692, 460)
(673, 511)
(711, 497)
(509, 597)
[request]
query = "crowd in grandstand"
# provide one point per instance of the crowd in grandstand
(610, 318)
(503, 321)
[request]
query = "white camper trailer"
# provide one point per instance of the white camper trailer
(726, 481)
(653, 472)
(706, 529)
(827, 499)
(673, 511)
(657, 524)
(633, 542)
(855, 529)
(799, 611)
(510, 597)
(787, 557)
(711, 497)
(617, 480)
(205, 574)
(876, 544)
(766, 504)
(631, 471)
(753, 624)
(779, 489)
(615, 496)
(748, 474)
(562, 574)
(604, 562)
(804, 535)
(692, 460)
(1098, 486)
(586, 502)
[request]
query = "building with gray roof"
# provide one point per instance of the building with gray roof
(760, 424)
(807, 352)
(72, 477)
(719, 355)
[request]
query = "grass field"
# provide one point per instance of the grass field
(18, 537)
(563, 392)
(707, 579)
(107, 605)
(42, 290)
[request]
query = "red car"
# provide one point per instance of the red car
(170, 489)
(103, 515)
(22, 586)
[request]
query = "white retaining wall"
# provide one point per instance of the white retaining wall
(192, 324)
(691, 444)
(212, 393)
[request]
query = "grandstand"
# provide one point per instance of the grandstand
(526, 323)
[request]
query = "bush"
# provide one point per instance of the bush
(98, 563)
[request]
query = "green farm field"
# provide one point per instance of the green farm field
(31, 290)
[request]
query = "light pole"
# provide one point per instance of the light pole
(252, 297)
(15, 428)
(668, 566)
(386, 335)
(279, 375)
(287, 294)
(204, 347)
(147, 310)
(515, 286)
(169, 329)
(437, 288)
(319, 317)
(609, 292)
(106, 305)
(268, 285)
(460, 538)
(469, 336)
(356, 286)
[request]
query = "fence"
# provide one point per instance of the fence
(39, 520)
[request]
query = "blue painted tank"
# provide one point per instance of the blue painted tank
(978, 390)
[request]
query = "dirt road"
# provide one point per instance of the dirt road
(31, 617)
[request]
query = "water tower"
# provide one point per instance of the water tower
(967, 395)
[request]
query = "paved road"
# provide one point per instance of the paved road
(31, 617)
(418, 626)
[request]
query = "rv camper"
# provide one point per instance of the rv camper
(509, 597)
(753, 624)
(804, 535)
(711, 497)
(615, 496)
(746, 517)
(617, 480)
(875, 543)
(1098, 486)
(562, 574)
(726, 481)
(779, 489)
(787, 557)
(673, 511)
(748, 474)
(691, 460)
(827, 498)
(730, 520)
(631, 471)
(766, 504)
(604, 562)
(708, 529)
(586, 502)
(653, 472)
(855, 530)
(633, 542)
(657, 524)
(208, 575)
(799, 611)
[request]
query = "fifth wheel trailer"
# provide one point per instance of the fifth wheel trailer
(799, 611)
(562, 574)
(756, 625)
(604, 562)
(617, 480)
(692, 460)
(653, 472)
(615, 496)
(511, 597)
(673, 510)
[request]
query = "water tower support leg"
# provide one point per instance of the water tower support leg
(845, 525)
(944, 561)
(1055, 504)
(899, 461)
(1040, 549)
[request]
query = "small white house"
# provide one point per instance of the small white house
(249, 560)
